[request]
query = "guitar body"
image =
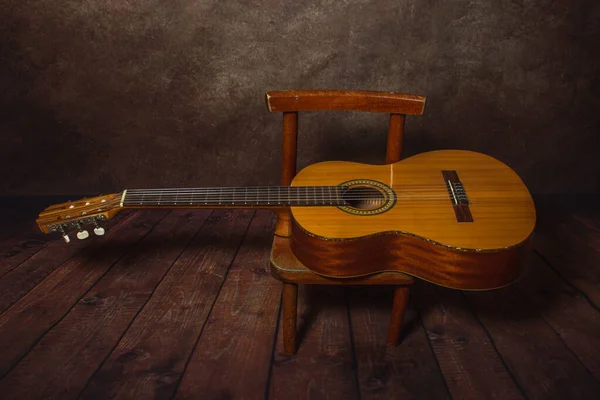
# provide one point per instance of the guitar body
(455, 218)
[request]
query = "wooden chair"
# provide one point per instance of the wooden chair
(284, 265)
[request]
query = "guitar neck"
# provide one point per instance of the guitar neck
(238, 197)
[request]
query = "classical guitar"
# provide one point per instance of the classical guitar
(455, 218)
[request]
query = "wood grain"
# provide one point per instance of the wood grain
(400, 302)
(286, 267)
(61, 363)
(21, 244)
(502, 208)
(408, 254)
(289, 318)
(573, 249)
(150, 358)
(324, 366)
(233, 355)
(471, 366)
(406, 371)
(289, 153)
(395, 138)
(570, 314)
(540, 362)
(29, 319)
(16, 283)
(357, 100)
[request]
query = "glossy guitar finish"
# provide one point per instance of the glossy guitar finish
(455, 218)
(420, 235)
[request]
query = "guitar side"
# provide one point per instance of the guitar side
(422, 235)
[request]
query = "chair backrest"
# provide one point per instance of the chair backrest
(290, 102)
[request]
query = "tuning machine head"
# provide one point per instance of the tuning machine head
(98, 230)
(65, 236)
(77, 225)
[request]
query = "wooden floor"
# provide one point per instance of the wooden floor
(181, 305)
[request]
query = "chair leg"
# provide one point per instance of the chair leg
(290, 306)
(398, 310)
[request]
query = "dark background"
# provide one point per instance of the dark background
(101, 95)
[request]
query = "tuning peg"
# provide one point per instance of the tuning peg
(99, 231)
(83, 235)
(66, 237)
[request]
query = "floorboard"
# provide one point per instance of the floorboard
(407, 371)
(233, 355)
(177, 305)
(571, 248)
(471, 366)
(149, 360)
(539, 360)
(61, 363)
(20, 245)
(324, 366)
(20, 237)
(23, 277)
(570, 314)
(46, 304)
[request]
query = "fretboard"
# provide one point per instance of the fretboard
(260, 196)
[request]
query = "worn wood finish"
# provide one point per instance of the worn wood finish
(370, 101)
(233, 355)
(288, 167)
(466, 355)
(576, 258)
(46, 304)
(572, 316)
(95, 324)
(325, 349)
(150, 358)
(289, 317)
(395, 138)
(543, 329)
(398, 310)
(537, 357)
(409, 371)
(16, 283)
(20, 244)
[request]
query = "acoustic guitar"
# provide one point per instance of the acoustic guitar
(456, 218)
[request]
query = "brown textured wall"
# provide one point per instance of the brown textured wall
(98, 95)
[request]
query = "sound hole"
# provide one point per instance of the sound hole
(364, 197)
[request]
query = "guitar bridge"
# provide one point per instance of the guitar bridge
(458, 196)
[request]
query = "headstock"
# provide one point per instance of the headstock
(76, 214)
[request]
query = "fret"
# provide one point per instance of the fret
(160, 197)
(176, 196)
(278, 195)
(322, 195)
(220, 194)
(329, 190)
(337, 195)
(192, 197)
(142, 199)
(289, 200)
(246, 196)
(205, 196)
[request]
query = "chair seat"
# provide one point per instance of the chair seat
(287, 268)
